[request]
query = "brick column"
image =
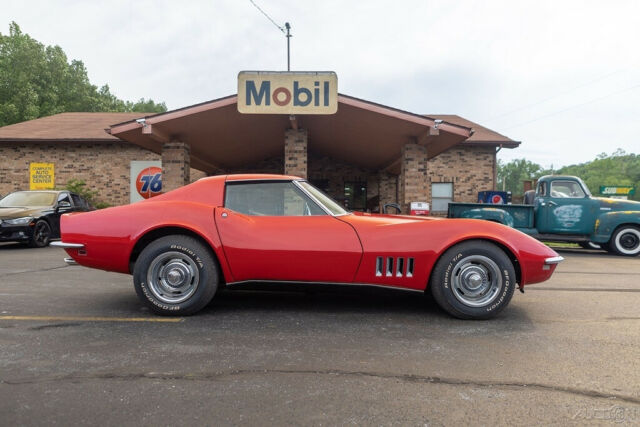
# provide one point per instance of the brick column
(413, 183)
(387, 189)
(295, 152)
(176, 165)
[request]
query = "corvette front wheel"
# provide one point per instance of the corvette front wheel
(473, 280)
(176, 275)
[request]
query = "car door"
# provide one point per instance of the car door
(272, 230)
(567, 209)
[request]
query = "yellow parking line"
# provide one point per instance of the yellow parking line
(94, 319)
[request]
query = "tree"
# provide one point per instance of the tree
(38, 80)
(511, 175)
(617, 169)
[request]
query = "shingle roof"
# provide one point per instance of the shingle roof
(66, 126)
(481, 135)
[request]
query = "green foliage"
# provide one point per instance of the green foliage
(617, 169)
(79, 187)
(38, 81)
(512, 174)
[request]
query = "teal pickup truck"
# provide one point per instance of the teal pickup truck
(563, 210)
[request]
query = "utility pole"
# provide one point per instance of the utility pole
(288, 27)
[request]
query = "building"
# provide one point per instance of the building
(366, 155)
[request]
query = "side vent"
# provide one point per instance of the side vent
(403, 267)
(379, 266)
(400, 267)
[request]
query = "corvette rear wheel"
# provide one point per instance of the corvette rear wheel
(473, 280)
(626, 241)
(176, 275)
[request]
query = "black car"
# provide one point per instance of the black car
(33, 217)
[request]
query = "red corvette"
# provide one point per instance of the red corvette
(239, 230)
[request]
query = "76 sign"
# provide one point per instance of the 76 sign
(149, 182)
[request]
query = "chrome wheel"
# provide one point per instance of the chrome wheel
(173, 277)
(476, 281)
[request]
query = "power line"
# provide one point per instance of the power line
(267, 16)
(574, 106)
(590, 82)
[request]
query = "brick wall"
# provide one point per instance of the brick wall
(103, 166)
(413, 176)
(470, 169)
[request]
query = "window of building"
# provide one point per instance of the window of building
(355, 196)
(441, 196)
(269, 199)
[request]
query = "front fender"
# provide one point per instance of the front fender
(490, 214)
(607, 223)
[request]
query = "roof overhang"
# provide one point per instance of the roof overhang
(363, 133)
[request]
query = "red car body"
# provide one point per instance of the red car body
(342, 249)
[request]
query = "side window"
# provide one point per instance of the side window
(542, 189)
(269, 199)
(568, 189)
(77, 201)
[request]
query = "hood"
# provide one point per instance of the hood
(607, 204)
(12, 213)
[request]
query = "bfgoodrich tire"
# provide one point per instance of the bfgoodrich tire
(176, 275)
(626, 241)
(473, 280)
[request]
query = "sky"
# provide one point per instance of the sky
(562, 77)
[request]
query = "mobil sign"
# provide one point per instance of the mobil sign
(299, 92)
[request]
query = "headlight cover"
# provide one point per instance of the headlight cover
(18, 221)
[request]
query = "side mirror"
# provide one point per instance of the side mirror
(63, 206)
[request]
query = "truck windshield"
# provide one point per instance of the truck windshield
(584, 186)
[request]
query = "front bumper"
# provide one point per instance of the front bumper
(15, 233)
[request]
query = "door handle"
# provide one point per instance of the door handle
(552, 203)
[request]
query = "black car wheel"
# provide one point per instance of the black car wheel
(41, 234)
(473, 280)
(176, 275)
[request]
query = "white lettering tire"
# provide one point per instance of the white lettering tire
(176, 275)
(473, 280)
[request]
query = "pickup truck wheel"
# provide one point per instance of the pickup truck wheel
(626, 241)
(176, 275)
(473, 280)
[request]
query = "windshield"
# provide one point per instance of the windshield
(586, 189)
(326, 201)
(28, 198)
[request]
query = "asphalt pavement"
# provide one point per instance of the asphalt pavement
(77, 347)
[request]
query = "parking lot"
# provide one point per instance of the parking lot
(76, 347)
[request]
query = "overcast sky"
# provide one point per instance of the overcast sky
(563, 77)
